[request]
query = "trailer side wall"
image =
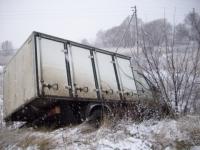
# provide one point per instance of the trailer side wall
(19, 78)
(90, 71)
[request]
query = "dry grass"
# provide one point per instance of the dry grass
(41, 143)
(191, 125)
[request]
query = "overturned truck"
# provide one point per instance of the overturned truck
(50, 76)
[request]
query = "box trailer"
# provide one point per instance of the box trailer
(50, 75)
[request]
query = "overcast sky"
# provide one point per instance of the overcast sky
(78, 19)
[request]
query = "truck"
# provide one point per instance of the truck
(50, 76)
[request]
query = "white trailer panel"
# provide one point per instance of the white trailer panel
(108, 82)
(52, 66)
(127, 79)
(82, 72)
(19, 79)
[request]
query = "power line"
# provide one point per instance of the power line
(125, 31)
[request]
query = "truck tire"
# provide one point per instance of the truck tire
(97, 117)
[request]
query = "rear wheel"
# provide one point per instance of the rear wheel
(95, 118)
(98, 116)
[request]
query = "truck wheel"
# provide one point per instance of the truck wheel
(97, 117)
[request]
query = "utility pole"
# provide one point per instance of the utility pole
(128, 27)
(134, 9)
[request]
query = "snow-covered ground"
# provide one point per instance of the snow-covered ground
(168, 134)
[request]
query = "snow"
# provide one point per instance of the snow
(195, 148)
(122, 134)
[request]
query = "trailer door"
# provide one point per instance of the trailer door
(82, 73)
(108, 82)
(52, 70)
(127, 79)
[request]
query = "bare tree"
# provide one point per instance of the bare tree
(113, 36)
(182, 34)
(192, 20)
(173, 69)
(85, 42)
(156, 30)
(7, 45)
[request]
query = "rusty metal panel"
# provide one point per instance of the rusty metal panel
(83, 77)
(51, 59)
(107, 77)
(127, 79)
(19, 78)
